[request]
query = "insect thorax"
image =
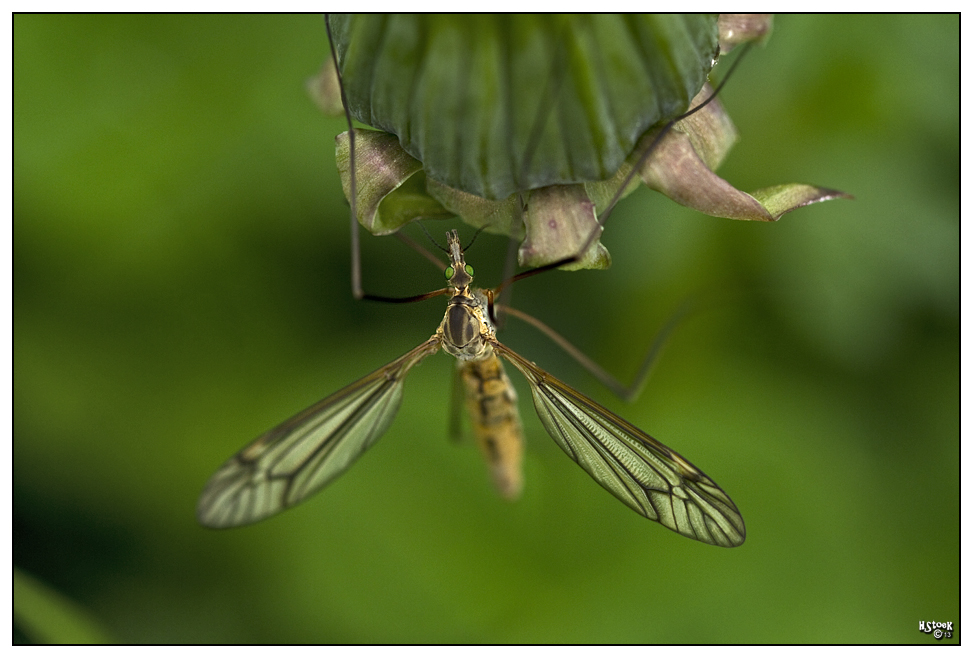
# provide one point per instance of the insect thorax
(466, 328)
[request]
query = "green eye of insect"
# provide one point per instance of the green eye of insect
(469, 270)
(449, 272)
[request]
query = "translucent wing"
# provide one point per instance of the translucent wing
(301, 455)
(655, 481)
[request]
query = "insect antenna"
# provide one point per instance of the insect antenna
(432, 239)
(473, 239)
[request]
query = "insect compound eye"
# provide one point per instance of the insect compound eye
(469, 270)
(449, 272)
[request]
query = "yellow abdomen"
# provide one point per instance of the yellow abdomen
(492, 405)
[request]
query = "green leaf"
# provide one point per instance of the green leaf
(390, 183)
(682, 168)
(781, 199)
(469, 100)
(502, 217)
(497, 104)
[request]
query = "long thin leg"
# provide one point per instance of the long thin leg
(509, 267)
(356, 287)
(596, 232)
(628, 393)
(501, 293)
(356, 279)
(552, 89)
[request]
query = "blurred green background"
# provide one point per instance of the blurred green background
(181, 285)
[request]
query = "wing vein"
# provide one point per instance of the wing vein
(649, 477)
(306, 452)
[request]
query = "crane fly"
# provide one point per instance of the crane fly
(300, 456)
(297, 458)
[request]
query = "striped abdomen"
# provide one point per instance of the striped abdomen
(492, 405)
